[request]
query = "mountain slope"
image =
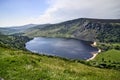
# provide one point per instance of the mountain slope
(104, 30)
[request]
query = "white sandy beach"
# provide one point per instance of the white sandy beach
(94, 54)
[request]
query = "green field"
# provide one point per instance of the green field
(22, 65)
(110, 55)
(108, 59)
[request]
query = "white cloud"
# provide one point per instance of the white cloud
(61, 10)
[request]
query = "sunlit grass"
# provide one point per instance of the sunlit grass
(22, 65)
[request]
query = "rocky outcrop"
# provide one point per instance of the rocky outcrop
(1, 78)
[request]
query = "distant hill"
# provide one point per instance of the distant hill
(16, 29)
(36, 27)
(103, 30)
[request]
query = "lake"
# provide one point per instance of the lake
(62, 47)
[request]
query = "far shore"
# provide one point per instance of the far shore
(94, 54)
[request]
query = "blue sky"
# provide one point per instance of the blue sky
(16, 11)
(21, 12)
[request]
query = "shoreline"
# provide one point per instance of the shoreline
(94, 54)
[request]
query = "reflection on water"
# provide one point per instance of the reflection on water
(67, 48)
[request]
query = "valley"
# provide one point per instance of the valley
(16, 59)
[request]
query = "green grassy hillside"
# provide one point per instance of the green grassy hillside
(22, 65)
(17, 42)
(109, 56)
(108, 59)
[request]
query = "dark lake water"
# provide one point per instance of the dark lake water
(62, 47)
